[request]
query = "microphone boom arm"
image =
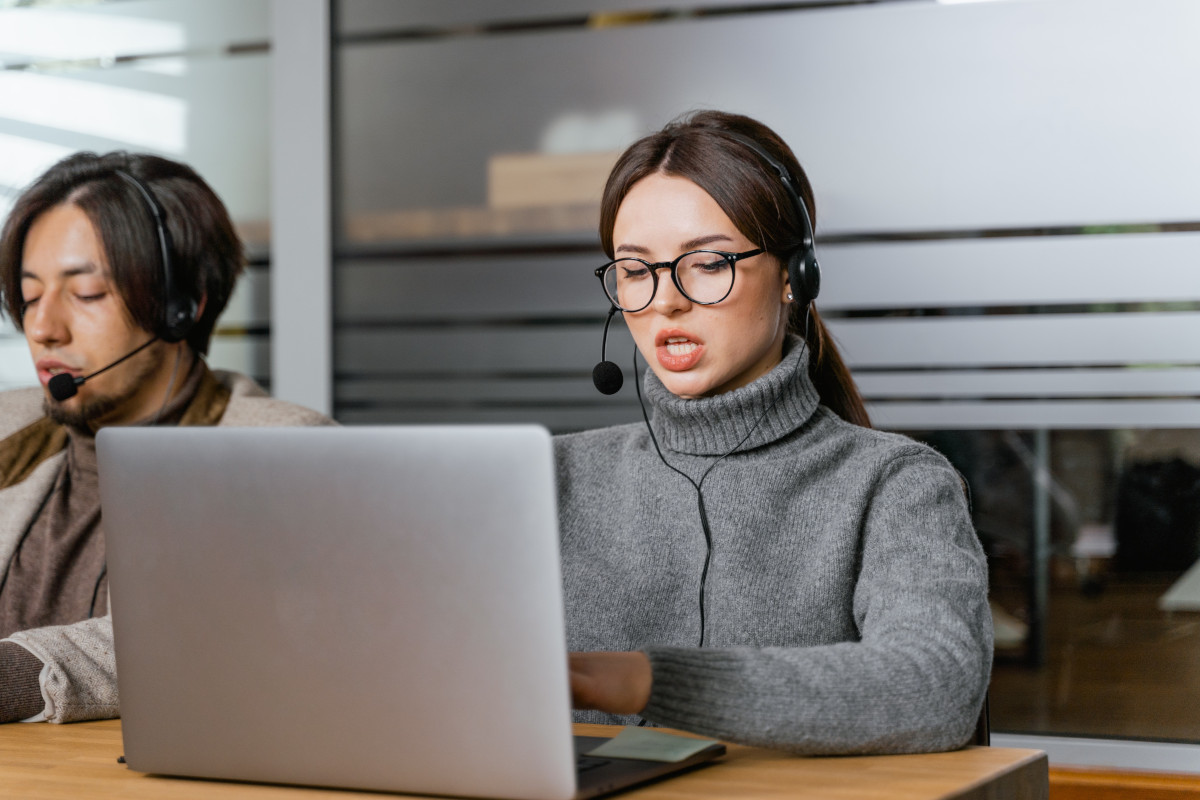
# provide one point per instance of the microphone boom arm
(64, 386)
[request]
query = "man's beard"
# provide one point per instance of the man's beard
(80, 417)
(101, 406)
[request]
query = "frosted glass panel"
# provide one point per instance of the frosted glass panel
(359, 16)
(248, 355)
(1125, 268)
(515, 288)
(1122, 382)
(81, 31)
(1033, 415)
(16, 365)
(250, 305)
(908, 116)
(212, 117)
(1044, 339)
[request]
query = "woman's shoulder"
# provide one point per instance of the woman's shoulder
(599, 445)
(599, 437)
(879, 448)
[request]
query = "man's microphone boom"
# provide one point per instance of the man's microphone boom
(64, 386)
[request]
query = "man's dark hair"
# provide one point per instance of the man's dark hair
(206, 256)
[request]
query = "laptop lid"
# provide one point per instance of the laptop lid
(375, 608)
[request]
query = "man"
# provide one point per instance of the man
(115, 268)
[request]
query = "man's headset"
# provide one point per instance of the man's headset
(804, 273)
(179, 306)
(181, 309)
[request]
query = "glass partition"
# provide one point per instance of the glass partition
(1113, 648)
(186, 79)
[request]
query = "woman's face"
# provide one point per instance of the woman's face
(698, 350)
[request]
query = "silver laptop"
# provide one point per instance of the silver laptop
(369, 608)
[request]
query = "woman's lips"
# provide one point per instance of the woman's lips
(678, 353)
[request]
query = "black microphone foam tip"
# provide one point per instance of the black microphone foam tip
(607, 377)
(63, 386)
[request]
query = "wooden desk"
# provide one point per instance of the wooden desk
(61, 762)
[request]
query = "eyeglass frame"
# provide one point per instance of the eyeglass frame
(654, 267)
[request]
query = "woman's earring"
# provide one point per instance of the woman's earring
(790, 298)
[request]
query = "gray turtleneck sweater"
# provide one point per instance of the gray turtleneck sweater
(846, 597)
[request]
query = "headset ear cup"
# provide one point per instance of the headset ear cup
(179, 309)
(804, 276)
(812, 277)
(181, 318)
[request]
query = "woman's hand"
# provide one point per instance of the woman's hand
(618, 683)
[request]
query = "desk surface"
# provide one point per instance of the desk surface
(55, 762)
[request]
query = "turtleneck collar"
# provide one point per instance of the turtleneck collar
(83, 440)
(783, 399)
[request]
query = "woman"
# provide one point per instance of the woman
(755, 563)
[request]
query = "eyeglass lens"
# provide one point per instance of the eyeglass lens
(704, 276)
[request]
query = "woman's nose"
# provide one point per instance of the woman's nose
(667, 298)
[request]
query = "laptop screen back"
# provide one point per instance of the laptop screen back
(375, 608)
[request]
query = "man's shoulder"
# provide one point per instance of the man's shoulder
(19, 408)
(250, 406)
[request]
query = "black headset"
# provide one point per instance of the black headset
(804, 274)
(180, 307)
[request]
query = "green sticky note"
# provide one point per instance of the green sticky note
(647, 744)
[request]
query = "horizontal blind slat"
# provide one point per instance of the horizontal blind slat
(1033, 415)
(1116, 268)
(1017, 340)
(1126, 382)
(563, 348)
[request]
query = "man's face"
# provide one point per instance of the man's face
(75, 321)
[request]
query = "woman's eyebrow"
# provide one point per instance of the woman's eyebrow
(700, 241)
(691, 244)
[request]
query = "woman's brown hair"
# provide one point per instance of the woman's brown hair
(698, 147)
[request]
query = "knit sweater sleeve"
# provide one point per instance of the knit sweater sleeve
(81, 680)
(20, 691)
(915, 679)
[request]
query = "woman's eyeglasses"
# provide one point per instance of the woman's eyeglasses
(702, 276)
